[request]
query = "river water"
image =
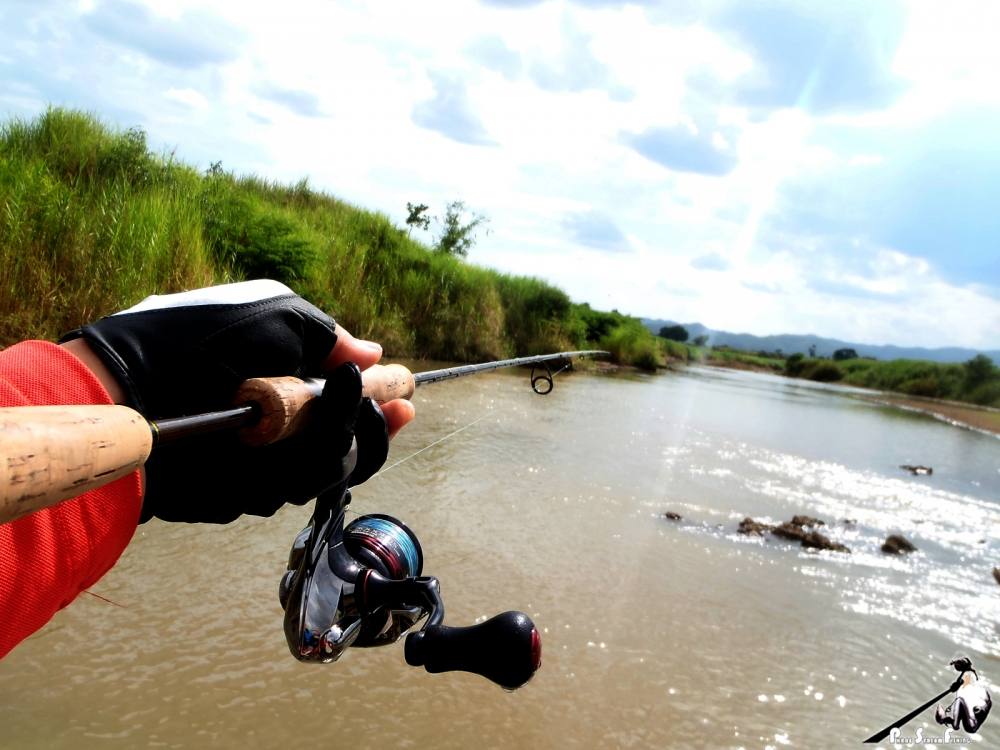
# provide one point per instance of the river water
(655, 633)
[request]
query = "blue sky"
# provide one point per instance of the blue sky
(766, 167)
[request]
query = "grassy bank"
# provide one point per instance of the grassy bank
(721, 357)
(92, 221)
(974, 382)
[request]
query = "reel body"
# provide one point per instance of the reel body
(361, 585)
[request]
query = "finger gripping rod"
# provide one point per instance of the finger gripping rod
(53, 453)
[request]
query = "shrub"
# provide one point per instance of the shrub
(825, 372)
(250, 238)
(795, 364)
(928, 386)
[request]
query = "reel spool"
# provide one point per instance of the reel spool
(385, 544)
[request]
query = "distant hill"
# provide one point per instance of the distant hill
(789, 343)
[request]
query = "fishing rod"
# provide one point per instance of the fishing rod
(54, 453)
(355, 585)
(381, 383)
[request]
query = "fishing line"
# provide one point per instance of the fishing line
(451, 434)
(427, 447)
(418, 452)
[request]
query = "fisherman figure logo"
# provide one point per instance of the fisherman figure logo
(967, 712)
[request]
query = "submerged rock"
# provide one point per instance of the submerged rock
(750, 526)
(672, 516)
(897, 544)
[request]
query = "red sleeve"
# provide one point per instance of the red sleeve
(50, 556)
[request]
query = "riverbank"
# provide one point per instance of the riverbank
(92, 220)
(969, 416)
(982, 418)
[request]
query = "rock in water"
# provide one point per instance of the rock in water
(809, 539)
(806, 521)
(917, 470)
(996, 574)
(897, 544)
(672, 516)
(750, 526)
(815, 540)
(789, 530)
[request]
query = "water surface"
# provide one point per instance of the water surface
(655, 633)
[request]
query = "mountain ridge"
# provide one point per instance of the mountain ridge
(790, 343)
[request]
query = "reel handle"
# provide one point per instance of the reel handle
(505, 649)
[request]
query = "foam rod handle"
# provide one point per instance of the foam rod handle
(53, 453)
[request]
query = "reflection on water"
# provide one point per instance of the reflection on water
(656, 634)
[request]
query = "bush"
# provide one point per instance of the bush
(632, 343)
(251, 239)
(987, 394)
(928, 386)
(825, 372)
(978, 370)
(795, 364)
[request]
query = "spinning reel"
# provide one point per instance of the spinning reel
(361, 585)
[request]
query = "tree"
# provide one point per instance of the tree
(456, 238)
(842, 354)
(416, 217)
(674, 333)
(978, 370)
(812, 350)
(700, 340)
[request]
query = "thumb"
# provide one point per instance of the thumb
(350, 349)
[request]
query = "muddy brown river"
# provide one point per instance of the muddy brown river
(655, 633)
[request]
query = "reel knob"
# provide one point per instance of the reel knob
(505, 649)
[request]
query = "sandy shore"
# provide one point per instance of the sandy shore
(957, 413)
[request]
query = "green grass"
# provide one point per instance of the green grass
(92, 221)
(976, 381)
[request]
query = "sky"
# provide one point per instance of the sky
(762, 167)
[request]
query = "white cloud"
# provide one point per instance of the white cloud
(331, 91)
(187, 97)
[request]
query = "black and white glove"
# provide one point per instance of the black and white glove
(187, 353)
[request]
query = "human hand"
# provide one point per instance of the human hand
(187, 353)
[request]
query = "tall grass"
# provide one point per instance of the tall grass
(92, 221)
(976, 381)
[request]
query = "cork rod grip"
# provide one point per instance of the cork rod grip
(53, 453)
(383, 383)
(284, 401)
